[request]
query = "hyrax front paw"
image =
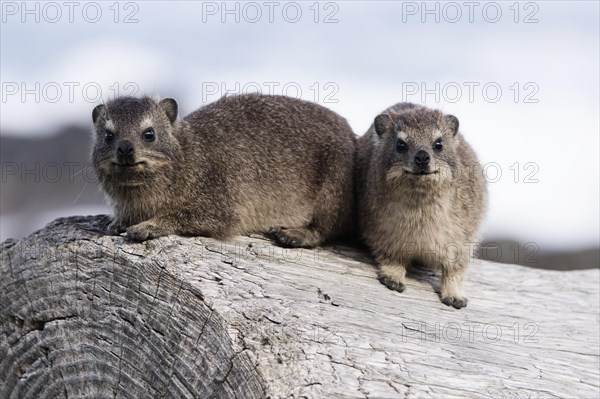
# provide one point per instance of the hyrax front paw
(456, 301)
(144, 231)
(116, 227)
(285, 238)
(451, 294)
(392, 284)
(392, 276)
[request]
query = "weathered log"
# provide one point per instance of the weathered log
(88, 315)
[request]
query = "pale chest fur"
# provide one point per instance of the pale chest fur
(134, 206)
(403, 229)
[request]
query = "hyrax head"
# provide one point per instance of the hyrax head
(134, 139)
(419, 144)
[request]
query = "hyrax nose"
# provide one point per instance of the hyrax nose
(125, 148)
(422, 158)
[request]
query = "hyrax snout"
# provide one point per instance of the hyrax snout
(420, 196)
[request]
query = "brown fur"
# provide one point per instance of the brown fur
(430, 218)
(243, 164)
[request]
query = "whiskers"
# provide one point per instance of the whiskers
(154, 162)
(86, 179)
(80, 193)
(395, 173)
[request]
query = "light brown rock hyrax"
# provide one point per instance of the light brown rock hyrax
(243, 164)
(421, 196)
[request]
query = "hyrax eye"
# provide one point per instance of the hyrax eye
(401, 145)
(109, 137)
(438, 145)
(149, 135)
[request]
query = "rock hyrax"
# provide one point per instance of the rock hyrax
(421, 196)
(243, 164)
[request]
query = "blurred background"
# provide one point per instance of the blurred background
(522, 77)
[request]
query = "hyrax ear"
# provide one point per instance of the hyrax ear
(383, 123)
(97, 111)
(170, 107)
(452, 123)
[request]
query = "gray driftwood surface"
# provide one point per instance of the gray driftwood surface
(88, 315)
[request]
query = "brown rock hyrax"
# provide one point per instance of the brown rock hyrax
(243, 164)
(421, 196)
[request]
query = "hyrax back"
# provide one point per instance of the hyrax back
(421, 196)
(248, 163)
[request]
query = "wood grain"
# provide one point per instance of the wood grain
(88, 315)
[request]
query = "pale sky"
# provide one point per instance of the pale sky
(523, 82)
